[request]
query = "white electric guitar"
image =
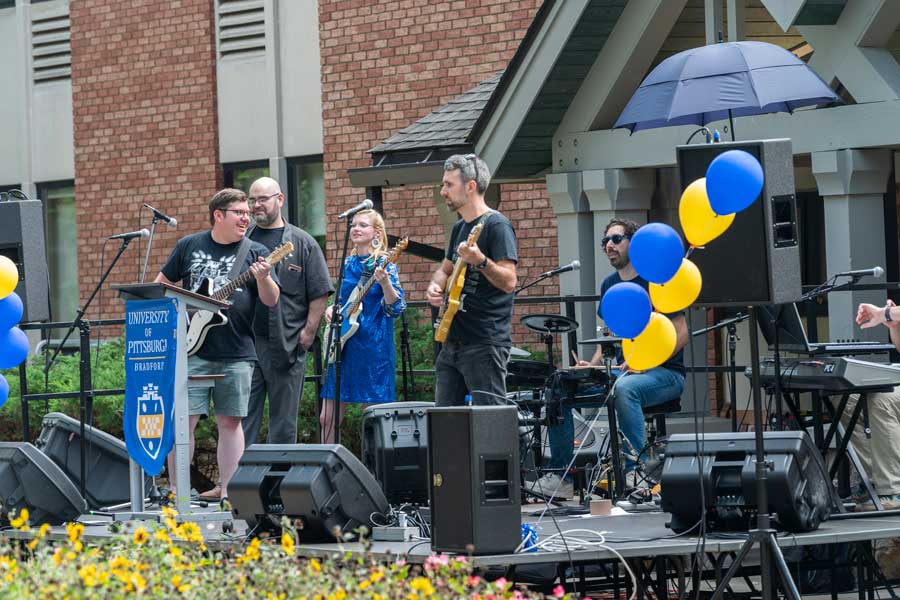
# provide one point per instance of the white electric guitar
(202, 321)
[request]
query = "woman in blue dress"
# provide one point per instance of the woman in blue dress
(368, 363)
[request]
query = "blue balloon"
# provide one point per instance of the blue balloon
(656, 251)
(626, 309)
(11, 311)
(13, 348)
(4, 390)
(733, 181)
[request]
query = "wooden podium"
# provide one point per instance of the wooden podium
(155, 291)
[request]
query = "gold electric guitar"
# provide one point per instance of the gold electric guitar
(352, 309)
(202, 321)
(454, 290)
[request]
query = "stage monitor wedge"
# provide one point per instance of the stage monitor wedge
(322, 485)
(107, 470)
(29, 479)
(757, 260)
(798, 488)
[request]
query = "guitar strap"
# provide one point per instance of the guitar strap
(239, 258)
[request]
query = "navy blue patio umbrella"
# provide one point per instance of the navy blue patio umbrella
(719, 81)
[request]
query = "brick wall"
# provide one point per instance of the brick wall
(388, 64)
(145, 128)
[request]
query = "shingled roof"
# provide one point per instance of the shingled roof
(447, 127)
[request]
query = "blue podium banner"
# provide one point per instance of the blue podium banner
(150, 345)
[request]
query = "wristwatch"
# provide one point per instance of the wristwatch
(481, 265)
(887, 313)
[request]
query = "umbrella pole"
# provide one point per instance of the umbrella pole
(731, 124)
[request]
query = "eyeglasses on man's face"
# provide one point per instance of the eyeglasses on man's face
(261, 199)
(240, 212)
(616, 238)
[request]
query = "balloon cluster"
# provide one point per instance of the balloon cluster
(13, 341)
(706, 210)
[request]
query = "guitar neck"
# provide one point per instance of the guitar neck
(226, 290)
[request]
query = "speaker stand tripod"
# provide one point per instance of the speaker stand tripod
(764, 537)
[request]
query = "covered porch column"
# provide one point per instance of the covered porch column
(575, 239)
(852, 184)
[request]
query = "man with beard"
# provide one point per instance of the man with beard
(473, 359)
(221, 254)
(634, 390)
(285, 332)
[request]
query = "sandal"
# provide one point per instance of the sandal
(213, 494)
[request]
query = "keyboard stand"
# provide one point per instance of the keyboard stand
(846, 446)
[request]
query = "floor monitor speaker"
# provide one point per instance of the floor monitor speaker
(757, 260)
(29, 479)
(473, 460)
(800, 493)
(107, 469)
(322, 485)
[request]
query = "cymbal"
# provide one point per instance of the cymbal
(513, 351)
(601, 340)
(549, 323)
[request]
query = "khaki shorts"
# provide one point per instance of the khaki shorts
(230, 395)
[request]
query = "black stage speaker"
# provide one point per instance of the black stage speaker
(106, 470)
(22, 241)
(757, 261)
(473, 459)
(29, 479)
(395, 449)
(322, 485)
(799, 491)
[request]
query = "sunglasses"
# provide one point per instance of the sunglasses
(615, 238)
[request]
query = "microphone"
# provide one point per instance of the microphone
(572, 266)
(361, 206)
(171, 221)
(873, 272)
(130, 235)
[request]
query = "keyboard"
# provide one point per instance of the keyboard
(836, 374)
(847, 347)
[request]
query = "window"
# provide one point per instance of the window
(62, 248)
(7, 3)
(242, 175)
(306, 195)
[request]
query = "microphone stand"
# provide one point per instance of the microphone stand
(731, 326)
(86, 397)
(335, 340)
(149, 244)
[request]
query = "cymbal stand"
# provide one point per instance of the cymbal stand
(617, 489)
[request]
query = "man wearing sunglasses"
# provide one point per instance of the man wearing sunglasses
(285, 332)
(221, 254)
(634, 390)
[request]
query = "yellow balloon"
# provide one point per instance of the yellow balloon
(9, 276)
(700, 224)
(653, 346)
(679, 292)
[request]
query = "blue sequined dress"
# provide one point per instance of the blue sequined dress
(368, 362)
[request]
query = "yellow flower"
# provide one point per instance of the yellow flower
(91, 576)
(169, 511)
(119, 562)
(181, 587)
(162, 535)
(315, 565)
(364, 584)
(340, 594)
(421, 584)
(20, 521)
(75, 531)
(58, 556)
(287, 543)
(141, 536)
(376, 576)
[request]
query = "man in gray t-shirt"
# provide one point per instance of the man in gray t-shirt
(286, 331)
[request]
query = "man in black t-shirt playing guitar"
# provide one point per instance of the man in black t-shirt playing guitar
(474, 356)
(228, 349)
